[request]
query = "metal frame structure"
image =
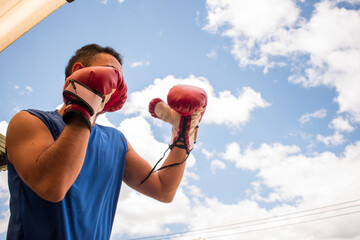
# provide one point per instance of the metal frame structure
(18, 16)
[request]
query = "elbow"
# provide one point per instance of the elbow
(168, 200)
(166, 197)
(166, 191)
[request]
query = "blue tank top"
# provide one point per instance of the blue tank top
(88, 209)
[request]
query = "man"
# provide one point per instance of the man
(65, 171)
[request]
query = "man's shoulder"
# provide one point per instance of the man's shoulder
(31, 118)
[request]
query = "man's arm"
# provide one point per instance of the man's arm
(161, 185)
(48, 167)
(184, 112)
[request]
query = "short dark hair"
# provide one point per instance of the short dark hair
(85, 54)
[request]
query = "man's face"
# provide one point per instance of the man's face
(105, 59)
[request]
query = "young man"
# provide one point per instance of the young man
(65, 171)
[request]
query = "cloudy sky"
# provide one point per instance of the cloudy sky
(278, 152)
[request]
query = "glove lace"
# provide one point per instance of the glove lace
(180, 139)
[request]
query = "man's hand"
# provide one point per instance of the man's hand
(92, 90)
(185, 108)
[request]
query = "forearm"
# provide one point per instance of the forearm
(170, 177)
(160, 185)
(56, 168)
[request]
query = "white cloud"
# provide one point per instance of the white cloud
(207, 153)
(226, 108)
(138, 132)
(250, 24)
(103, 120)
(234, 111)
(217, 164)
(336, 139)
(246, 220)
(106, 1)
(135, 211)
(4, 219)
(317, 114)
(250, 19)
(341, 124)
(3, 127)
(29, 89)
(3, 184)
(291, 174)
(212, 54)
(298, 182)
(349, 1)
(4, 202)
(58, 107)
(197, 18)
(329, 40)
(140, 63)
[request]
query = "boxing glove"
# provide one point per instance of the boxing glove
(90, 91)
(184, 109)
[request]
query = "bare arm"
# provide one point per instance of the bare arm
(161, 185)
(186, 107)
(48, 167)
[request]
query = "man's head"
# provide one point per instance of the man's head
(89, 58)
(87, 54)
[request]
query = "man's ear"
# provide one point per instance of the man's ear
(77, 66)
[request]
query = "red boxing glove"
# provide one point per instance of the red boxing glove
(92, 90)
(185, 108)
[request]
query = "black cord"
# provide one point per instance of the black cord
(180, 139)
(153, 169)
(161, 168)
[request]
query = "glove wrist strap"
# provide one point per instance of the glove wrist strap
(78, 93)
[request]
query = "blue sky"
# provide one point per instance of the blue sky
(281, 131)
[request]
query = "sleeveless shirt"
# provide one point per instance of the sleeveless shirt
(88, 209)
